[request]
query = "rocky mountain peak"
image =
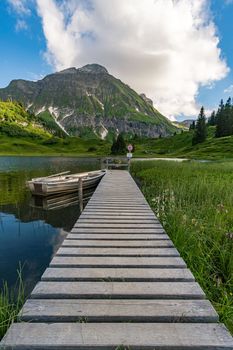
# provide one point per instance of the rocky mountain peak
(146, 99)
(90, 102)
(71, 70)
(93, 68)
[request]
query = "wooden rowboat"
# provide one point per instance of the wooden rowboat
(63, 183)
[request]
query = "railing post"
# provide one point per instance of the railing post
(80, 193)
(102, 163)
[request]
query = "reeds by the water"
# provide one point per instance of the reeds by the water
(194, 202)
(11, 301)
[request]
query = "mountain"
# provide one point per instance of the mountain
(187, 122)
(89, 101)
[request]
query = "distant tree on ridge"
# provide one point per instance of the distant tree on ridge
(200, 132)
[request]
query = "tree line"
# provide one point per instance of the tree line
(222, 119)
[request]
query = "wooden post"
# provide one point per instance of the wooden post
(129, 165)
(80, 193)
(107, 163)
(101, 163)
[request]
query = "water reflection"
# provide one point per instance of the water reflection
(28, 233)
(61, 201)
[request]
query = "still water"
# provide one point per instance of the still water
(29, 236)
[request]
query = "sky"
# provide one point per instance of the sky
(178, 52)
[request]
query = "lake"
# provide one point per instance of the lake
(29, 234)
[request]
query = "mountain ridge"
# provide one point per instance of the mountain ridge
(89, 99)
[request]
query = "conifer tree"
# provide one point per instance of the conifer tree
(119, 146)
(192, 126)
(200, 133)
(212, 119)
(224, 119)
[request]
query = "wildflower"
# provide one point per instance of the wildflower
(229, 235)
(220, 208)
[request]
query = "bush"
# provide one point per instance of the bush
(92, 149)
(51, 141)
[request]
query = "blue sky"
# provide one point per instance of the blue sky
(22, 49)
(27, 41)
(223, 18)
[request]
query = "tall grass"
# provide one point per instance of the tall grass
(194, 202)
(11, 301)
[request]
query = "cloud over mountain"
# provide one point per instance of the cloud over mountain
(165, 48)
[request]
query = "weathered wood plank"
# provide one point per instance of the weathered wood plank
(37, 310)
(152, 262)
(107, 243)
(117, 274)
(132, 221)
(99, 251)
(115, 290)
(117, 230)
(101, 201)
(122, 236)
(120, 206)
(99, 336)
(118, 210)
(117, 216)
(114, 225)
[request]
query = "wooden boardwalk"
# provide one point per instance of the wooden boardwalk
(117, 282)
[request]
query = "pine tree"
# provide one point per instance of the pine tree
(192, 126)
(200, 133)
(212, 119)
(224, 119)
(119, 146)
(219, 120)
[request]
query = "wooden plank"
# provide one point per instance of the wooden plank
(117, 230)
(117, 216)
(99, 251)
(118, 225)
(107, 243)
(99, 336)
(118, 210)
(121, 221)
(99, 201)
(152, 262)
(121, 206)
(117, 274)
(115, 290)
(122, 236)
(36, 310)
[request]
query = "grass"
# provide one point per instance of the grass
(11, 302)
(73, 146)
(89, 145)
(194, 203)
(180, 145)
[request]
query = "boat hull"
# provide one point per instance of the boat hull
(46, 188)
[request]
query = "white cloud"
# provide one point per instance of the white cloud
(21, 25)
(165, 48)
(229, 89)
(20, 6)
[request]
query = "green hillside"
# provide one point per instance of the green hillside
(180, 145)
(22, 133)
(15, 121)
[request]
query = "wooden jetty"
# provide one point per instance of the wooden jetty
(117, 282)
